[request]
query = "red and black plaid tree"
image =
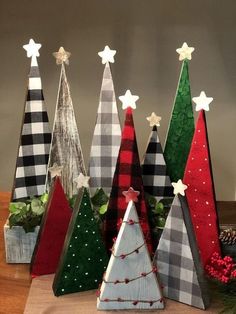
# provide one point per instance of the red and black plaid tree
(127, 173)
(53, 230)
(200, 193)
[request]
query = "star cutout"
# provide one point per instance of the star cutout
(202, 102)
(154, 119)
(107, 55)
(62, 56)
(82, 181)
(55, 170)
(179, 187)
(128, 100)
(185, 52)
(32, 49)
(131, 195)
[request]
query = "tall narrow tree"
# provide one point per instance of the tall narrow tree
(181, 127)
(65, 148)
(201, 194)
(107, 132)
(35, 138)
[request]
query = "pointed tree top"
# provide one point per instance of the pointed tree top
(154, 120)
(55, 170)
(131, 195)
(185, 52)
(128, 100)
(32, 49)
(202, 101)
(107, 55)
(179, 187)
(62, 56)
(82, 181)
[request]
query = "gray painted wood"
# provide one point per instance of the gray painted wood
(19, 245)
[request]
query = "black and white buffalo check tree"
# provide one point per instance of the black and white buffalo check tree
(155, 178)
(65, 148)
(35, 138)
(177, 257)
(107, 132)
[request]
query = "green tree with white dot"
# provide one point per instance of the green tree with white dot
(84, 258)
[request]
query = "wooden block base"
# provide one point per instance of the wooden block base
(42, 300)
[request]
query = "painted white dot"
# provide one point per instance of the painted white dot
(95, 280)
(78, 226)
(200, 169)
(203, 182)
(76, 237)
(100, 260)
(62, 290)
(209, 225)
(104, 267)
(89, 259)
(86, 244)
(68, 265)
(79, 214)
(75, 279)
(65, 277)
(92, 219)
(192, 158)
(86, 274)
(70, 245)
(194, 215)
(93, 232)
(85, 215)
(77, 266)
(197, 227)
(212, 242)
(207, 202)
(195, 190)
(73, 254)
(189, 171)
(195, 142)
(99, 247)
(86, 231)
(85, 204)
(204, 145)
(196, 200)
(199, 131)
(188, 184)
(205, 159)
(97, 240)
(209, 215)
(80, 286)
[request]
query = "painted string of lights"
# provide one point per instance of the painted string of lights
(135, 302)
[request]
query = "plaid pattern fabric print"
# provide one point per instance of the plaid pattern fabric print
(66, 148)
(32, 160)
(175, 262)
(106, 138)
(155, 179)
(127, 174)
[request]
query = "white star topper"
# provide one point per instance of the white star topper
(185, 52)
(179, 187)
(202, 102)
(107, 55)
(82, 181)
(32, 49)
(55, 170)
(128, 100)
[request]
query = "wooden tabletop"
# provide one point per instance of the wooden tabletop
(15, 279)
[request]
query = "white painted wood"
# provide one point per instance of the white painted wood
(19, 246)
(146, 288)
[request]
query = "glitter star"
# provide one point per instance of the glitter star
(82, 181)
(62, 56)
(32, 49)
(128, 100)
(185, 52)
(179, 187)
(154, 119)
(55, 170)
(107, 55)
(202, 102)
(131, 195)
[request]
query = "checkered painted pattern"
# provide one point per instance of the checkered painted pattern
(155, 179)
(32, 160)
(106, 138)
(127, 174)
(66, 149)
(178, 260)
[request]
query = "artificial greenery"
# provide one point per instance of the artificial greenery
(100, 203)
(27, 213)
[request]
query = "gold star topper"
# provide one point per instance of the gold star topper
(154, 119)
(62, 56)
(55, 170)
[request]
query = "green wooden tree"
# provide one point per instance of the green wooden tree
(84, 258)
(181, 128)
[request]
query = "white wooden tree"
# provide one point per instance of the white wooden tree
(130, 280)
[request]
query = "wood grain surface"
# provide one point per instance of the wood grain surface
(15, 279)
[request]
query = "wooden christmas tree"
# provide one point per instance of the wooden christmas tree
(181, 125)
(52, 231)
(107, 132)
(127, 173)
(35, 139)
(65, 148)
(201, 193)
(84, 257)
(177, 257)
(130, 280)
